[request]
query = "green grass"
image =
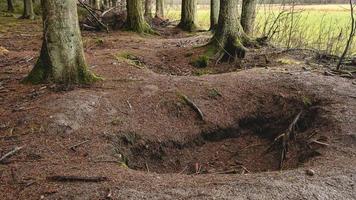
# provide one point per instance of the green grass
(320, 27)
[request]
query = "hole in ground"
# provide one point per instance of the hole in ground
(238, 149)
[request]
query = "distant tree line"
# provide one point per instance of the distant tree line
(207, 2)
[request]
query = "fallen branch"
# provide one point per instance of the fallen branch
(93, 15)
(193, 106)
(9, 154)
(77, 179)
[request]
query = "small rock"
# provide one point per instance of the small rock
(310, 172)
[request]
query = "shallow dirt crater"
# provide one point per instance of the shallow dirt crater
(252, 144)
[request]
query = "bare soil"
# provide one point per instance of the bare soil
(135, 129)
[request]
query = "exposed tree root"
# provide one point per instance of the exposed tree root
(188, 26)
(285, 138)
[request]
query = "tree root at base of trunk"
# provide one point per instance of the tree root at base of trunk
(188, 26)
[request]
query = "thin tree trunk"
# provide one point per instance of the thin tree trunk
(160, 9)
(214, 13)
(229, 37)
(114, 3)
(97, 4)
(187, 21)
(62, 55)
(135, 19)
(248, 15)
(28, 10)
(10, 6)
(148, 9)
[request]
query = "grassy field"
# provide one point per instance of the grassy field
(321, 27)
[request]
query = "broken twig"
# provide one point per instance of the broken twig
(318, 142)
(77, 145)
(9, 154)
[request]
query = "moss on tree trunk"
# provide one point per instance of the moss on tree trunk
(187, 21)
(28, 10)
(135, 19)
(214, 13)
(248, 15)
(160, 9)
(229, 38)
(62, 55)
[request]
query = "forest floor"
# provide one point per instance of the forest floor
(139, 130)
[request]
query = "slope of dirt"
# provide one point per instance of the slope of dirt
(136, 129)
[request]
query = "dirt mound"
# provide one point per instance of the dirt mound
(136, 116)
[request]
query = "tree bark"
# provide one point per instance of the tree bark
(148, 9)
(10, 6)
(62, 55)
(135, 19)
(214, 13)
(248, 15)
(160, 9)
(187, 21)
(28, 10)
(229, 38)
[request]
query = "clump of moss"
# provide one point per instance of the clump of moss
(214, 93)
(189, 54)
(130, 59)
(201, 72)
(307, 101)
(287, 61)
(117, 121)
(99, 41)
(201, 61)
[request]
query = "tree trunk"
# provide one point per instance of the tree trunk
(148, 9)
(187, 21)
(97, 4)
(62, 55)
(28, 10)
(114, 3)
(229, 37)
(160, 9)
(248, 15)
(10, 6)
(135, 19)
(214, 13)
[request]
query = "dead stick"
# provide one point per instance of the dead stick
(318, 142)
(185, 168)
(244, 168)
(77, 145)
(9, 154)
(194, 106)
(148, 169)
(77, 178)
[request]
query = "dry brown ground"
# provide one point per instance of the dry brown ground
(136, 115)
